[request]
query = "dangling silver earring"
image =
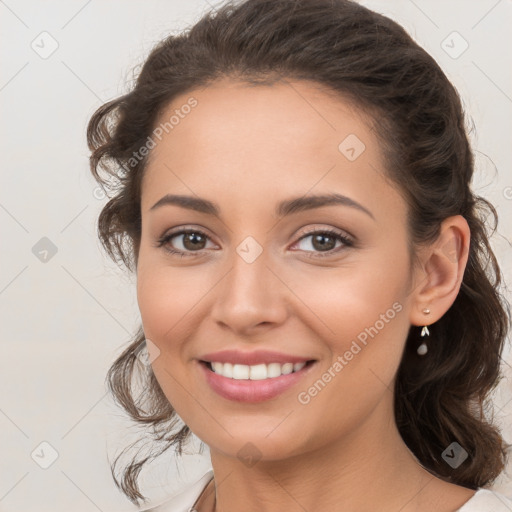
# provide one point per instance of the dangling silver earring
(423, 349)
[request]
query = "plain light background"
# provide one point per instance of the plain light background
(67, 313)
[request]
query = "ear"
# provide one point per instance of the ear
(438, 277)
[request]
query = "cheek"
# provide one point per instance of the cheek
(167, 300)
(363, 315)
(351, 301)
(171, 302)
(162, 302)
(361, 319)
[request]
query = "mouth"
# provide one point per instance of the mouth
(253, 383)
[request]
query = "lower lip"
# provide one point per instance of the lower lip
(252, 390)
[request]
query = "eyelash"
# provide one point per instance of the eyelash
(164, 240)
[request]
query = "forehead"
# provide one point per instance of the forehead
(264, 142)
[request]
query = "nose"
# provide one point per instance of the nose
(250, 298)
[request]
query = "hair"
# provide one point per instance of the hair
(417, 114)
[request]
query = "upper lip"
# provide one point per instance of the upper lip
(252, 358)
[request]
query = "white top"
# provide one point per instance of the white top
(484, 500)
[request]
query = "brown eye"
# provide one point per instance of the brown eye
(184, 242)
(323, 243)
(193, 241)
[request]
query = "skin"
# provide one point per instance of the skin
(247, 148)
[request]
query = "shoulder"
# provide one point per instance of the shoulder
(485, 500)
(184, 500)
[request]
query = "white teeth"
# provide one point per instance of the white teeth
(298, 366)
(217, 367)
(258, 372)
(227, 370)
(287, 368)
(240, 371)
(255, 372)
(273, 370)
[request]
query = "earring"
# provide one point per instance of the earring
(423, 349)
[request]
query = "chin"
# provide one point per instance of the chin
(268, 443)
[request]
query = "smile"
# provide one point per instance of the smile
(255, 372)
(253, 383)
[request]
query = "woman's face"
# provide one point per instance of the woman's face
(273, 277)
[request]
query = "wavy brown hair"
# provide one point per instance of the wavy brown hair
(370, 60)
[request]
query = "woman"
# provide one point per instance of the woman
(320, 303)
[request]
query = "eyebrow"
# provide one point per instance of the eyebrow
(283, 209)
